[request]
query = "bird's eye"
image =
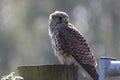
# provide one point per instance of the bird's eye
(60, 18)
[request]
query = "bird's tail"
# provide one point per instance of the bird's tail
(89, 72)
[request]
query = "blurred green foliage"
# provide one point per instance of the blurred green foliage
(24, 36)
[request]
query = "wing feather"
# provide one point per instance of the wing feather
(73, 43)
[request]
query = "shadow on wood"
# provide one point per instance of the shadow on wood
(49, 72)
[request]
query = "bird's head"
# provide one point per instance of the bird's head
(59, 17)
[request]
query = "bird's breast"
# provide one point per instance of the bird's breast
(55, 43)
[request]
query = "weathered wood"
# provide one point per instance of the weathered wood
(49, 72)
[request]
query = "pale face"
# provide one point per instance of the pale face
(59, 17)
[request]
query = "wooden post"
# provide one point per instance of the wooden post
(49, 72)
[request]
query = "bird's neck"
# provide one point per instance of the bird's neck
(56, 27)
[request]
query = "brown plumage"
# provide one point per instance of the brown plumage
(70, 46)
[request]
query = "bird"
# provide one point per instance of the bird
(70, 46)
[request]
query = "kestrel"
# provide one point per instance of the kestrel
(70, 46)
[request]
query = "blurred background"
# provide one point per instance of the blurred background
(24, 38)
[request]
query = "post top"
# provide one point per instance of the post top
(55, 65)
(108, 58)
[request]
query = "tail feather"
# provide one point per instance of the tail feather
(90, 72)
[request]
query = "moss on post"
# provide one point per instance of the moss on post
(49, 72)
